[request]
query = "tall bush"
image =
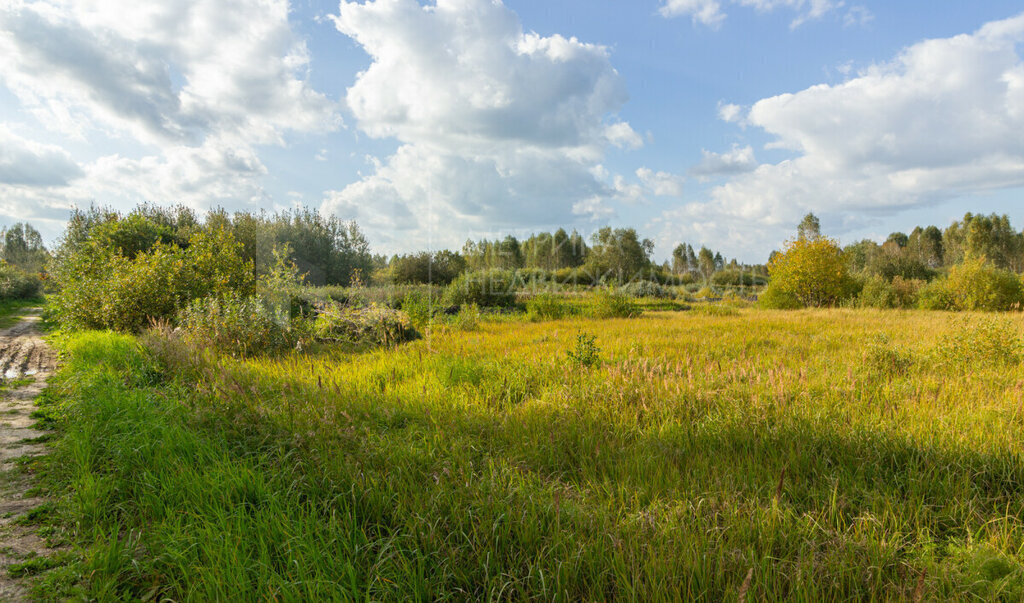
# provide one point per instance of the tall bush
(488, 288)
(900, 293)
(975, 285)
(18, 284)
(810, 271)
(240, 326)
(102, 288)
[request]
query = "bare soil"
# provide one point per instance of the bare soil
(25, 363)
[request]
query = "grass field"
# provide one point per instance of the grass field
(734, 454)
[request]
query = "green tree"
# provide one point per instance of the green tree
(925, 245)
(706, 263)
(21, 245)
(680, 260)
(619, 253)
(809, 227)
(440, 268)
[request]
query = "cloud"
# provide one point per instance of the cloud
(711, 14)
(705, 12)
(498, 128)
(31, 164)
(199, 84)
(168, 71)
(623, 136)
(857, 15)
(730, 113)
(943, 119)
(594, 208)
(661, 184)
(736, 161)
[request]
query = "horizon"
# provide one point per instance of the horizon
(710, 122)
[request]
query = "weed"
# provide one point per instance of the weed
(885, 358)
(607, 303)
(373, 325)
(467, 318)
(586, 354)
(982, 342)
(546, 306)
(236, 325)
(716, 458)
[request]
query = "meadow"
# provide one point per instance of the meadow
(720, 453)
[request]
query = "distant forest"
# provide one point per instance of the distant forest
(329, 251)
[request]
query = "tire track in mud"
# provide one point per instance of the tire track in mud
(25, 363)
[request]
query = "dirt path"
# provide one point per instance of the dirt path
(25, 363)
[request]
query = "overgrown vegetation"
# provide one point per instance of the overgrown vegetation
(126, 275)
(809, 272)
(520, 461)
(16, 284)
(237, 325)
(556, 432)
(608, 303)
(975, 285)
(376, 325)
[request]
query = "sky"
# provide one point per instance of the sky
(430, 122)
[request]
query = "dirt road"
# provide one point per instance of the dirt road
(25, 363)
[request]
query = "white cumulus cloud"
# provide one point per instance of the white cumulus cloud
(498, 127)
(705, 12)
(661, 184)
(943, 119)
(730, 113)
(735, 161)
(201, 84)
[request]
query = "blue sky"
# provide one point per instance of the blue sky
(717, 122)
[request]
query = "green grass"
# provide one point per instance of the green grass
(11, 309)
(797, 448)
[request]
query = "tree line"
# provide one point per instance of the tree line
(974, 264)
(329, 251)
(612, 255)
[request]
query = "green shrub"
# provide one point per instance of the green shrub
(533, 276)
(239, 326)
(732, 277)
(420, 307)
(487, 289)
(900, 293)
(936, 296)
(101, 288)
(608, 303)
(376, 325)
(974, 285)
(777, 298)
(878, 293)
(812, 271)
(586, 354)
(639, 289)
(546, 306)
(18, 284)
(467, 318)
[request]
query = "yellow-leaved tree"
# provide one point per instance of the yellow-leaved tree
(810, 272)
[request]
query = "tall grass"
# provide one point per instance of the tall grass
(704, 456)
